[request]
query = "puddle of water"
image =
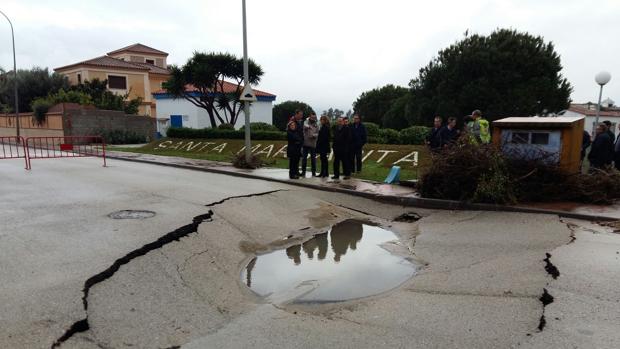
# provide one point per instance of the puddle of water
(348, 262)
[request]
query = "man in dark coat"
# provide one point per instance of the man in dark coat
(586, 142)
(617, 151)
(432, 139)
(360, 137)
(602, 151)
(341, 146)
(299, 120)
(448, 134)
(610, 130)
(322, 146)
(293, 150)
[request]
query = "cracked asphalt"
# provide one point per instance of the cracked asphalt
(70, 275)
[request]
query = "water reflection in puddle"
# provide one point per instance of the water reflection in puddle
(348, 262)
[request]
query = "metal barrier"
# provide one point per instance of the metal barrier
(13, 147)
(64, 147)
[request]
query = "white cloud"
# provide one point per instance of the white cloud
(323, 52)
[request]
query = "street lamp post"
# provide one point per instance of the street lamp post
(601, 78)
(15, 75)
(246, 84)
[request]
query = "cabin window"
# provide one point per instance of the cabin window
(117, 82)
(79, 78)
(520, 138)
(540, 138)
(150, 61)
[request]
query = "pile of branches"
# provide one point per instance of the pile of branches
(482, 173)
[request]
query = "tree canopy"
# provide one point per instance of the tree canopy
(208, 73)
(32, 83)
(283, 111)
(93, 92)
(506, 73)
(374, 104)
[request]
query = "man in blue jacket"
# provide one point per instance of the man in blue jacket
(359, 139)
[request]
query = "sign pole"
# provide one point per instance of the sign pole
(246, 84)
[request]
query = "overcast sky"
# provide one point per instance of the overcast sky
(324, 52)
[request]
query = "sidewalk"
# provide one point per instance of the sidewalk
(395, 194)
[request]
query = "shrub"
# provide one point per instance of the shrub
(414, 135)
(261, 126)
(40, 106)
(226, 126)
(456, 172)
(372, 129)
(216, 133)
(390, 136)
(481, 173)
(239, 161)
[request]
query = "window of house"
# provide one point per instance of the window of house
(520, 138)
(117, 82)
(79, 78)
(150, 61)
(540, 138)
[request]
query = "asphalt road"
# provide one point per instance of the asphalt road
(174, 279)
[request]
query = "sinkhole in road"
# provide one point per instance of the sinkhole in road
(354, 259)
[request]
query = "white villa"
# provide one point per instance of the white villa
(180, 112)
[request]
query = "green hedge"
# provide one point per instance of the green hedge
(214, 133)
(412, 135)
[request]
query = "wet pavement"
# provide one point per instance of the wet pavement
(272, 173)
(174, 280)
(350, 261)
(612, 211)
(593, 212)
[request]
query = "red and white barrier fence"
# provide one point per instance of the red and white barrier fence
(51, 147)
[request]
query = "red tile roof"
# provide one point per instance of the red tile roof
(106, 62)
(153, 68)
(115, 63)
(139, 48)
(229, 87)
(589, 112)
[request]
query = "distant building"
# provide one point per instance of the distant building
(180, 112)
(136, 69)
(588, 110)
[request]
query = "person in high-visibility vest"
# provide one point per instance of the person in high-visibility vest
(479, 128)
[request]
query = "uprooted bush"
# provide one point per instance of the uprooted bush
(481, 173)
(468, 172)
(256, 161)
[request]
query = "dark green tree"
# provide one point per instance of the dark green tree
(102, 98)
(282, 112)
(93, 92)
(374, 104)
(507, 73)
(32, 83)
(210, 74)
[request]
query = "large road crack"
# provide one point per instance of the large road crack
(175, 235)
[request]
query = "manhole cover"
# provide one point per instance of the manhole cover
(131, 214)
(348, 262)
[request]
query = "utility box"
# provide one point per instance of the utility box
(553, 140)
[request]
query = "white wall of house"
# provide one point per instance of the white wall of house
(195, 117)
(591, 120)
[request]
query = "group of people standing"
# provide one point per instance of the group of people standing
(312, 137)
(604, 149)
(442, 136)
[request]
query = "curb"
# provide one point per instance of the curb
(435, 204)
